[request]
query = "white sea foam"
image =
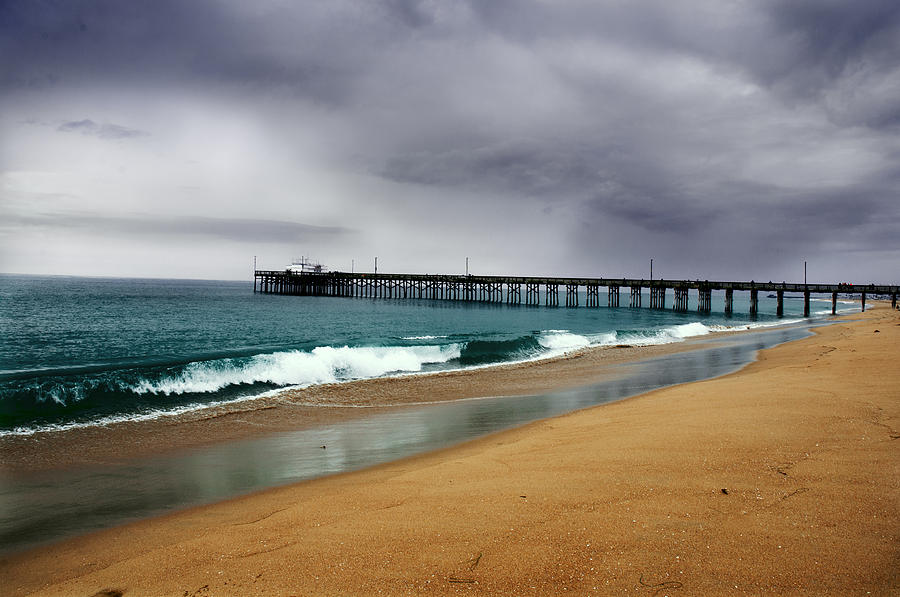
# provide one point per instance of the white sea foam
(558, 342)
(422, 337)
(324, 364)
(679, 333)
(667, 335)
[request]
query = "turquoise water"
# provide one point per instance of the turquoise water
(89, 351)
(45, 506)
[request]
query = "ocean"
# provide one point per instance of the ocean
(92, 351)
(87, 352)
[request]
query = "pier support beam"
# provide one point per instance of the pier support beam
(571, 295)
(532, 293)
(593, 295)
(513, 294)
(681, 299)
(834, 303)
(704, 300)
(613, 296)
(893, 300)
(729, 301)
(863, 301)
(754, 301)
(469, 291)
(552, 298)
(635, 297)
(496, 292)
(806, 303)
(657, 297)
(779, 309)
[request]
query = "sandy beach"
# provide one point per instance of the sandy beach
(781, 478)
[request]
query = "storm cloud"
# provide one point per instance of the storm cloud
(725, 140)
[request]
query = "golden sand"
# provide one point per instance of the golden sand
(781, 478)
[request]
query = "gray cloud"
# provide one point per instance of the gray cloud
(104, 131)
(760, 128)
(242, 230)
(524, 166)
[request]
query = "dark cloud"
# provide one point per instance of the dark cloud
(815, 51)
(758, 128)
(314, 50)
(104, 131)
(828, 36)
(410, 13)
(186, 227)
(525, 166)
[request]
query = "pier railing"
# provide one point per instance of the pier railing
(547, 290)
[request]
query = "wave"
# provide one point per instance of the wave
(652, 337)
(678, 333)
(483, 352)
(60, 402)
(324, 364)
(562, 341)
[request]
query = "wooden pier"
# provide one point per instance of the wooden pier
(508, 289)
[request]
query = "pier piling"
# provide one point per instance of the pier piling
(571, 295)
(704, 300)
(681, 299)
(657, 297)
(552, 297)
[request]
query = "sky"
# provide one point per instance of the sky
(725, 140)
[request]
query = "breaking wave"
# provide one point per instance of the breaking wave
(59, 399)
(324, 364)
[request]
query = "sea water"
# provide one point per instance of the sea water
(83, 352)
(91, 351)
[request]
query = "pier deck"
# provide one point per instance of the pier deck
(547, 290)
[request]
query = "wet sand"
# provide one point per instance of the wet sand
(315, 406)
(783, 477)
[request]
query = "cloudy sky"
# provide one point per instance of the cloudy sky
(723, 139)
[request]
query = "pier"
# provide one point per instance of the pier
(546, 291)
